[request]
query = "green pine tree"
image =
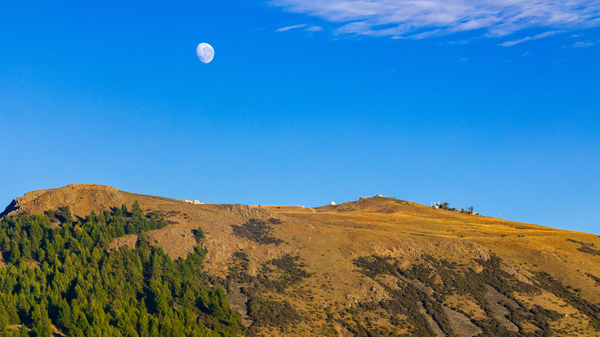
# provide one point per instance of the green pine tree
(15, 253)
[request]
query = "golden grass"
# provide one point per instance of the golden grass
(466, 304)
(574, 323)
(347, 231)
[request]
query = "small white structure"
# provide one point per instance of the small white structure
(332, 203)
(195, 202)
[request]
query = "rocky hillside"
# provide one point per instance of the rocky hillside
(375, 267)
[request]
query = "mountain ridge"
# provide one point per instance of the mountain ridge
(366, 251)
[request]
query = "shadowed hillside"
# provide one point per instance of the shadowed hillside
(373, 267)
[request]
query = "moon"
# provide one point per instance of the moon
(205, 52)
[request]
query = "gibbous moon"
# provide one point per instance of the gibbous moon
(205, 52)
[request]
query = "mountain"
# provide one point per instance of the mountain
(377, 266)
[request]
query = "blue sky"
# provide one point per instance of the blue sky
(494, 105)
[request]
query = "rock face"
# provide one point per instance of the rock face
(273, 246)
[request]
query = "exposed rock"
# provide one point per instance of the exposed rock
(521, 275)
(247, 212)
(238, 301)
(496, 301)
(432, 323)
(419, 285)
(461, 324)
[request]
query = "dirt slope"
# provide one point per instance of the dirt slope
(375, 266)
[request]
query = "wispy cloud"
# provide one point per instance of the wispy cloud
(529, 38)
(285, 29)
(306, 27)
(583, 44)
(420, 19)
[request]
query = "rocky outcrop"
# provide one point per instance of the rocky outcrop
(247, 212)
(80, 199)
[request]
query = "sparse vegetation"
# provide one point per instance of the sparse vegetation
(198, 234)
(570, 296)
(446, 278)
(257, 231)
(276, 275)
(289, 270)
(595, 278)
(269, 312)
(586, 247)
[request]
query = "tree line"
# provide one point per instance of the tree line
(65, 276)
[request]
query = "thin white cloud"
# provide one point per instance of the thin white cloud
(285, 29)
(306, 27)
(583, 44)
(529, 38)
(420, 19)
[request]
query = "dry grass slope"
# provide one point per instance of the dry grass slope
(339, 297)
